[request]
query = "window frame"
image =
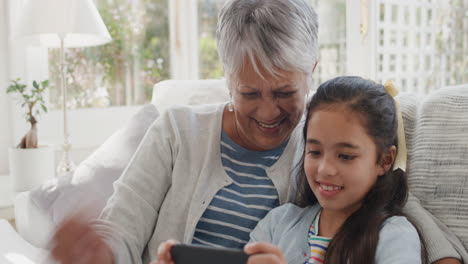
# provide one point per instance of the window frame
(361, 45)
(5, 115)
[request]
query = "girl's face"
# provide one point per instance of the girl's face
(340, 159)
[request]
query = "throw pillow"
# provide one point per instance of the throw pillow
(91, 184)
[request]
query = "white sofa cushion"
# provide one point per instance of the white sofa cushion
(14, 249)
(91, 184)
(437, 169)
(189, 92)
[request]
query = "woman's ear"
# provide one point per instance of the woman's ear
(387, 160)
(315, 66)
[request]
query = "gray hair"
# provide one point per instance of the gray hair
(279, 34)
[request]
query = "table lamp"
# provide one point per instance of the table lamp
(64, 24)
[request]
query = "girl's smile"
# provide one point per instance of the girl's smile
(328, 190)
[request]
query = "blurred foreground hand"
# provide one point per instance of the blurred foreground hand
(76, 242)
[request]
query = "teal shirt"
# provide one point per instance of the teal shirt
(287, 227)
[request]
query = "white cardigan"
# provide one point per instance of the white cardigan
(171, 180)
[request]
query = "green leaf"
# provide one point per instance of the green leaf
(11, 89)
(21, 87)
(36, 85)
(44, 108)
(45, 84)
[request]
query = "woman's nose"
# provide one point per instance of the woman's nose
(268, 109)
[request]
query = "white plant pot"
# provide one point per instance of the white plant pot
(29, 168)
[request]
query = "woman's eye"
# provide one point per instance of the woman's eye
(346, 157)
(284, 94)
(250, 95)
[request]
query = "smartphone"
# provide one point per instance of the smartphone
(193, 254)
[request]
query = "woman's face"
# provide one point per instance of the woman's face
(267, 110)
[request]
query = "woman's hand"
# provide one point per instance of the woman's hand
(264, 253)
(164, 252)
(77, 242)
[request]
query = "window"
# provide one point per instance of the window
(420, 57)
(209, 64)
(332, 40)
(124, 71)
(422, 45)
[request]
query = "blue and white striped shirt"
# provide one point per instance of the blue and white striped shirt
(236, 209)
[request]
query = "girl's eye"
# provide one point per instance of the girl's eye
(346, 157)
(284, 94)
(313, 152)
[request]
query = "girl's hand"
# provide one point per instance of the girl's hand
(264, 253)
(164, 252)
(77, 242)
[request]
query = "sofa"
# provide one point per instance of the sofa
(436, 128)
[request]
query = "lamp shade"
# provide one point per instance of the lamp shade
(44, 22)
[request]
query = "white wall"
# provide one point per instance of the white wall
(5, 120)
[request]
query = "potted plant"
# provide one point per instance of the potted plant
(30, 164)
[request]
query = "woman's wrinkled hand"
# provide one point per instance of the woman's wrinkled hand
(264, 253)
(76, 241)
(164, 252)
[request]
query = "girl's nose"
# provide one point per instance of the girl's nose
(327, 167)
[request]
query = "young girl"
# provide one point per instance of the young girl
(350, 198)
(349, 207)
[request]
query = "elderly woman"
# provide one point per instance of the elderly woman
(207, 174)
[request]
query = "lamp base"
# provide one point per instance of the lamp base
(66, 164)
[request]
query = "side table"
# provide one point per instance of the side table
(7, 211)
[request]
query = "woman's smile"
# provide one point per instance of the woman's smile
(270, 127)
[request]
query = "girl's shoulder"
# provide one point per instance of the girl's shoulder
(291, 213)
(284, 222)
(398, 224)
(398, 242)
